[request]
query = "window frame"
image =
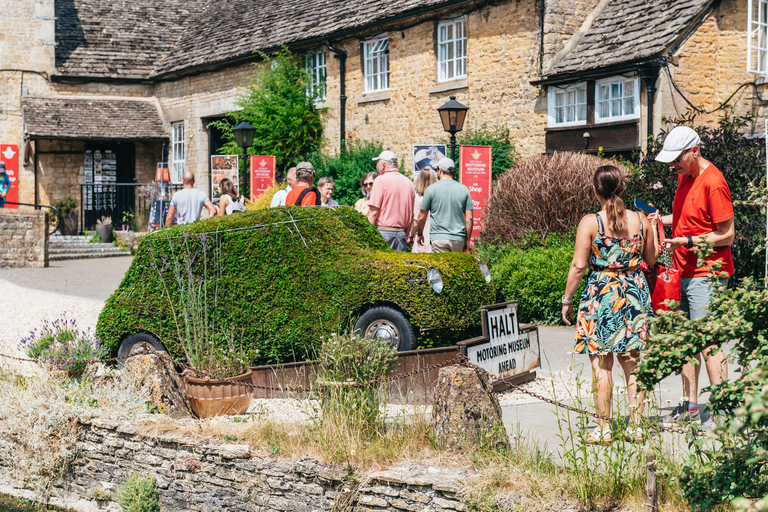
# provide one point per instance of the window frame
(318, 72)
(636, 97)
(176, 128)
(368, 46)
(757, 37)
(439, 53)
(551, 104)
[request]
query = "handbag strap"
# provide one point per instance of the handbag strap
(664, 253)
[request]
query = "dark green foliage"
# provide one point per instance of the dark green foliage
(503, 154)
(277, 105)
(532, 274)
(347, 168)
(291, 275)
(138, 494)
(740, 159)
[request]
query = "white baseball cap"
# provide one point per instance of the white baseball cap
(446, 164)
(385, 155)
(677, 141)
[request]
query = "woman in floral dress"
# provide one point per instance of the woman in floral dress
(615, 304)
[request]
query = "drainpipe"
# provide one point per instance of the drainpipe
(542, 12)
(650, 75)
(342, 56)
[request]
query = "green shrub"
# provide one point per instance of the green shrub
(503, 154)
(62, 345)
(138, 494)
(65, 207)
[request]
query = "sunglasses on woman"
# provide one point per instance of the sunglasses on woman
(370, 184)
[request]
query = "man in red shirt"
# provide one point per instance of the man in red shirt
(702, 210)
(390, 207)
(305, 177)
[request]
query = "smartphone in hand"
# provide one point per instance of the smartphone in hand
(644, 206)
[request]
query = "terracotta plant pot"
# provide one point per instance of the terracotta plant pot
(210, 398)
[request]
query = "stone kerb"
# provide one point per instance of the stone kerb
(204, 475)
(24, 235)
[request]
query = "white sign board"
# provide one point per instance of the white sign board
(507, 351)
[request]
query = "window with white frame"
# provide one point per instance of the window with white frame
(567, 106)
(757, 40)
(315, 64)
(617, 99)
(452, 49)
(177, 152)
(376, 64)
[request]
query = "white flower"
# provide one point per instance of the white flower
(684, 398)
(352, 453)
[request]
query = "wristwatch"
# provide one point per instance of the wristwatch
(689, 244)
(566, 302)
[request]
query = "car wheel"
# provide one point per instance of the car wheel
(389, 325)
(134, 344)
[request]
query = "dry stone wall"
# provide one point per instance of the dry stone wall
(24, 235)
(207, 476)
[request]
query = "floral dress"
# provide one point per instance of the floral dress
(615, 304)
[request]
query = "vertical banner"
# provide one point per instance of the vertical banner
(262, 174)
(476, 176)
(9, 153)
(224, 166)
(426, 155)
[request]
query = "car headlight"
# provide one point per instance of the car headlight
(485, 271)
(435, 279)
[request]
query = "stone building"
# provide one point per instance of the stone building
(134, 79)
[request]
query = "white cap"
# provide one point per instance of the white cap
(446, 164)
(386, 155)
(677, 141)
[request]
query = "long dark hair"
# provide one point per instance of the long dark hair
(227, 187)
(609, 184)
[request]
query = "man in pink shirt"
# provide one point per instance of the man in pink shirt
(391, 202)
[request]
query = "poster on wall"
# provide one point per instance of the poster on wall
(9, 154)
(223, 166)
(476, 176)
(427, 155)
(262, 174)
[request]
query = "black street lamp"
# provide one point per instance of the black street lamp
(452, 115)
(244, 137)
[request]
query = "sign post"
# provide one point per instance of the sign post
(476, 176)
(262, 174)
(9, 154)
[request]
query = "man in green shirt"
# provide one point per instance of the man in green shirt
(451, 212)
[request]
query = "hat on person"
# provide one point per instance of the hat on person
(446, 164)
(386, 155)
(677, 141)
(305, 165)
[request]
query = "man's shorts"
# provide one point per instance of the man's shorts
(447, 245)
(695, 295)
(395, 239)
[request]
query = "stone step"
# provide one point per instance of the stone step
(83, 256)
(67, 238)
(79, 245)
(84, 250)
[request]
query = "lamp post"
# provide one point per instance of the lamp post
(244, 137)
(452, 115)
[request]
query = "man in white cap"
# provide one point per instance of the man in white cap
(390, 207)
(702, 211)
(451, 212)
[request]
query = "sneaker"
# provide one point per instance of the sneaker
(681, 416)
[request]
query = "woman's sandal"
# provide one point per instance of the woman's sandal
(600, 435)
(635, 435)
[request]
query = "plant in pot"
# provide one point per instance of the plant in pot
(67, 209)
(218, 361)
(104, 229)
(127, 216)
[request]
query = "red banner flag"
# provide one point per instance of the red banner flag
(476, 176)
(9, 154)
(262, 174)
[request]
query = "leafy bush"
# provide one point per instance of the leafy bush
(740, 159)
(63, 346)
(347, 168)
(276, 103)
(503, 154)
(65, 207)
(532, 274)
(138, 494)
(547, 194)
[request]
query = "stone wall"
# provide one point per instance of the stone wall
(206, 476)
(24, 235)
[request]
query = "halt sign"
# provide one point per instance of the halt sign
(505, 351)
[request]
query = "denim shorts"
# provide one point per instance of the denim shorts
(695, 294)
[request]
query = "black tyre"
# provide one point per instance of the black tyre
(135, 343)
(388, 324)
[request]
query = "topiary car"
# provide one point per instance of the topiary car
(282, 278)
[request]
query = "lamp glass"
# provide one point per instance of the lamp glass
(452, 115)
(244, 133)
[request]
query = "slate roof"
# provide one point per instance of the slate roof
(146, 39)
(105, 119)
(629, 31)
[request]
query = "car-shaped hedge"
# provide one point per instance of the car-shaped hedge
(282, 278)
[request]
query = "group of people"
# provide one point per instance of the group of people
(615, 304)
(187, 204)
(300, 190)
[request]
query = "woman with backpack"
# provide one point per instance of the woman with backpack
(230, 201)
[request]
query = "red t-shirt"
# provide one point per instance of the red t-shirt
(293, 195)
(700, 203)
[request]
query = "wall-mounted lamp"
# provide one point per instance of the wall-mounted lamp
(586, 140)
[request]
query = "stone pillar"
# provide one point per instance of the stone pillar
(24, 236)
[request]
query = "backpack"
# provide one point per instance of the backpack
(305, 192)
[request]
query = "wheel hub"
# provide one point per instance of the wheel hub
(385, 331)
